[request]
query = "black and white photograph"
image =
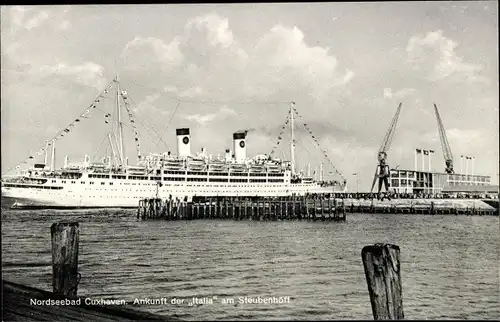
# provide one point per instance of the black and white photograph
(250, 161)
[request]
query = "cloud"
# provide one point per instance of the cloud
(147, 105)
(388, 93)
(201, 119)
(17, 14)
(462, 141)
(22, 28)
(217, 29)
(435, 54)
(37, 20)
(171, 89)
(28, 18)
(142, 52)
(209, 55)
(226, 110)
(87, 74)
(191, 92)
(64, 25)
(464, 136)
(288, 59)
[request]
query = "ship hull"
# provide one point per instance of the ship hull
(127, 197)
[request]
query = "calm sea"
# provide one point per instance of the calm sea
(450, 264)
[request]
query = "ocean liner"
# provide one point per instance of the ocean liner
(114, 183)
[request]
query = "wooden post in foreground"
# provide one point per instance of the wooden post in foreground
(383, 276)
(65, 237)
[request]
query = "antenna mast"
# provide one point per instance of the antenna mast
(119, 121)
(292, 142)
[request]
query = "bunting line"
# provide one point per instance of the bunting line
(124, 96)
(280, 136)
(67, 129)
(317, 142)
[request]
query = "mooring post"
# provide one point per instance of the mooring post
(237, 208)
(314, 208)
(216, 208)
(282, 208)
(65, 276)
(321, 204)
(308, 214)
(226, 211)
(383, 276)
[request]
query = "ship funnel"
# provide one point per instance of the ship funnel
(239, 146)
(228, 155)
(183, 142)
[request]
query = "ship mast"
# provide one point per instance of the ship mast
(53, 162)
(119, 122)
(112, 148)
(292, 142)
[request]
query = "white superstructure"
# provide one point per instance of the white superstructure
(107, 189)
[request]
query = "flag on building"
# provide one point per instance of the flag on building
(418, 150)
(426, 152)
(431, 151)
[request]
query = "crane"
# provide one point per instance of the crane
(382, 170)
(448, 156)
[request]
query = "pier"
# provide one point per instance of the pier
(313, 207)
(241, 208)
(429, 206)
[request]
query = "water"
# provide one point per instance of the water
(450, 264)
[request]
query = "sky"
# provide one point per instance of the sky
(219, 68)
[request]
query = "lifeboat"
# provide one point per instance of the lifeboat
(217, 167)
(173, 164)
(257, 168)
(196, 165)
(136, 170)
(238, 167)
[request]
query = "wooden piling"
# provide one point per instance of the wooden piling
(383, 276)
(65, 276)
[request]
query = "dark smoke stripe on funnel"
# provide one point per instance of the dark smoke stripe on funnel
(184, 131)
